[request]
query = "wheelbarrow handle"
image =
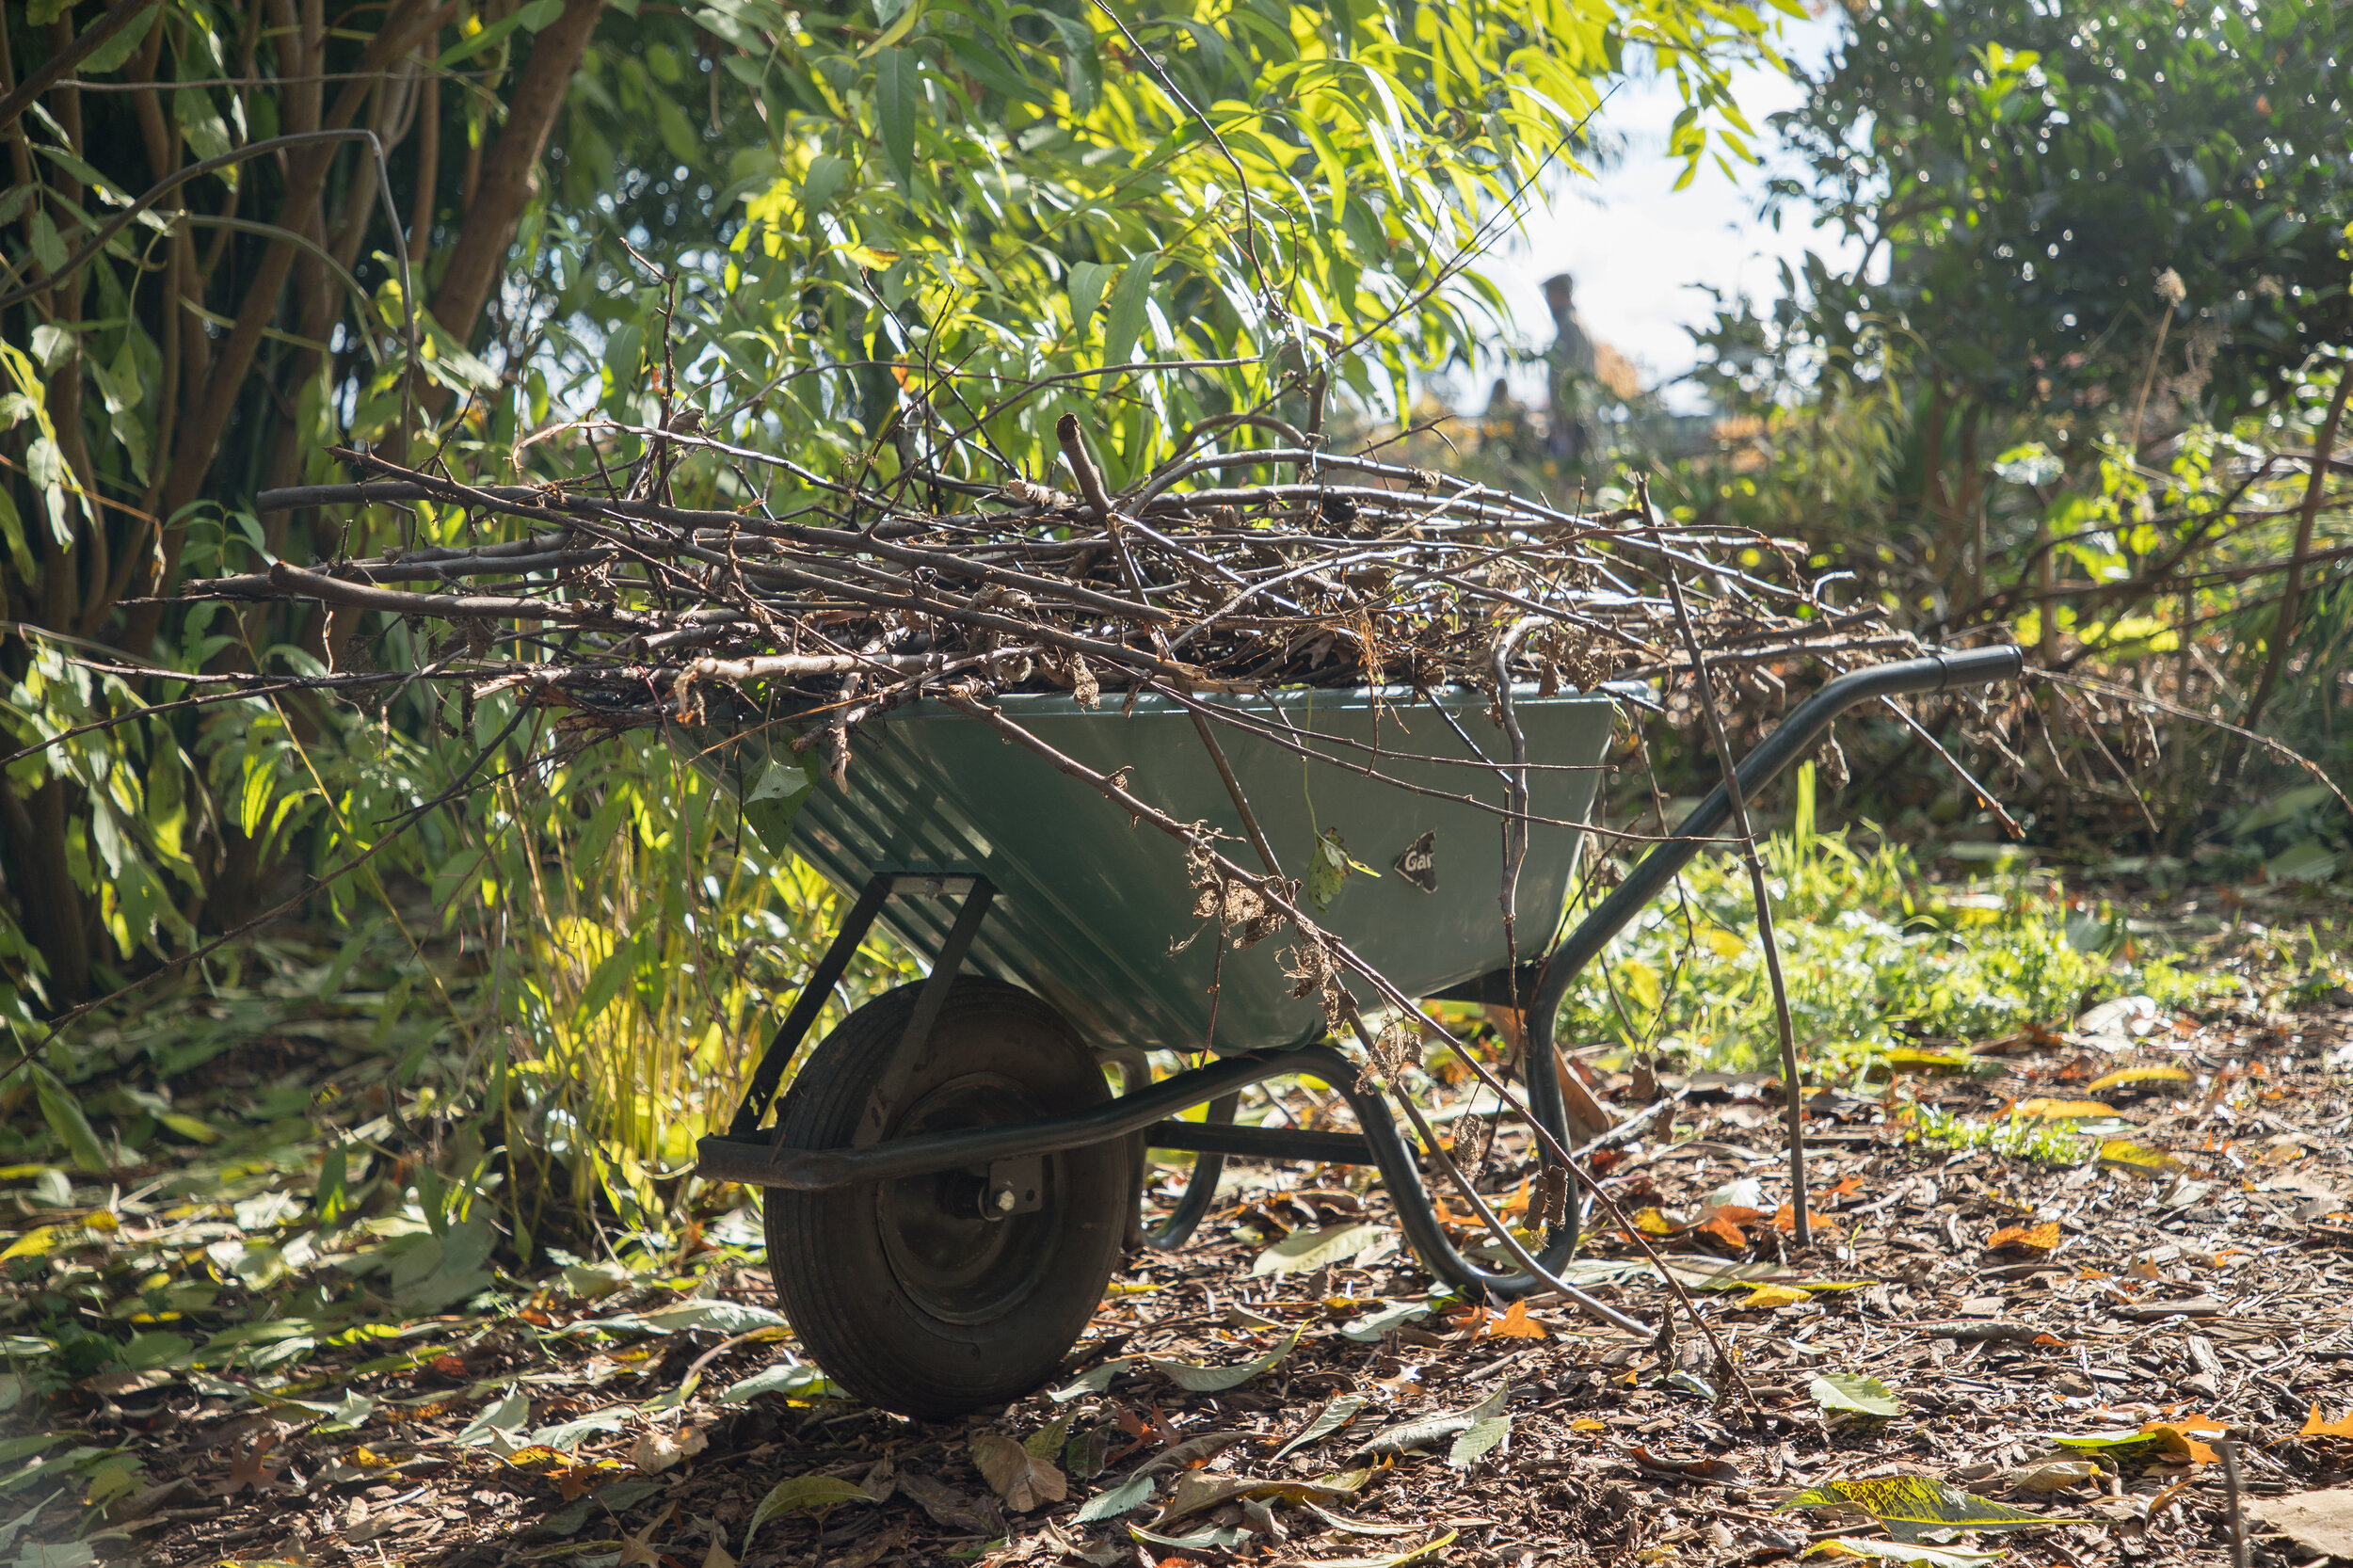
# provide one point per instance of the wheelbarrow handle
(1791, 740)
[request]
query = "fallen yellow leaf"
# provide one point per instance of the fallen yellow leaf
(1912, 1059)
(2139, 1075)
(1516, 1324)
(2062, 1111)
(2137, 1156)
(1654, 1222)
(1764, 1298)
(2174, 1437)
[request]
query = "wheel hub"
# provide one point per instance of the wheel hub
(969, 1245)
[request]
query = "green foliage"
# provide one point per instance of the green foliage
(830, 233)
(2016, 1137)
(2071, 388)
(2039, 173)
(980, 215)
(1867, 940)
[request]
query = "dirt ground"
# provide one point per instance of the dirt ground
(2181, 1299)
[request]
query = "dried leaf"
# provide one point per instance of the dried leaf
(656, 1452)
(2041, 1238)
(803, 1383)
(814, 1494)
(1302, 1250)
(713, 1317)
(2139, 1074)
(1022, 1478)
(1422, 1553)
(2172, 1437)
(2062, 1111)
(1374, 1326)
(2056, 1477)
(949, 1507)
(255, 1468)
(1129, 1496)
(1095, 1379)
(1766, 1298)
(1723, 1227)
(502, 1420)
(1911, 1506)
(1912, 1059)
(2315, 1427)
(637, 1551)
(1216, 1380)
(1516, 1324)
(1404, 1436)
(1207, 1541)
(1047, 1440)
(1197, 1492)
(2123, 1154)
(1914, 1556)
(1360, 1526)
(1851, 1391)
(1481, 1437)
(1338, 1412)
(718, 1556)
(1190, 1455)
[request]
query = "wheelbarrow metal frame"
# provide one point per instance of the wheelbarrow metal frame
(743, 1157)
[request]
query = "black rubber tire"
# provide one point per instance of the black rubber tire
(905, 1300)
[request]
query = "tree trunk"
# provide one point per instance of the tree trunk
(509, 179)
(206, 419)
(56, 916)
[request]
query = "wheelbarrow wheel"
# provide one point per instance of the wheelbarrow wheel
(918, 1295)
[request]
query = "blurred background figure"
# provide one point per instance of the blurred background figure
(1505, 430)
(1567, 435)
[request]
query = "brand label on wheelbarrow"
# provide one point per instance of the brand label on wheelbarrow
(1418, 865)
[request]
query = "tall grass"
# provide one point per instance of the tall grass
(639, 948)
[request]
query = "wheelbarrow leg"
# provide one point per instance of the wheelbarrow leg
(815, 991)
(908, 1053)
(1546, 1104)
(1200, 1192)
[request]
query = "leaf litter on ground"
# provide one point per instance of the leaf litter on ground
(2003, 1356)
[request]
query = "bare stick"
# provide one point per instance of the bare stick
(2284, 627)
(1792, 1092)
(2010, 824)
(2242, 1551)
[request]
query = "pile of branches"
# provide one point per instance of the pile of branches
(1220, 571)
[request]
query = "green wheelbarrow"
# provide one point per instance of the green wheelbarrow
(950, 1179)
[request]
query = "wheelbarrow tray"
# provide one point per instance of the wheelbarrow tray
(948, 1173)
(1095, 912)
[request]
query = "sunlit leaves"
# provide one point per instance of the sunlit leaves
(1911, 1506)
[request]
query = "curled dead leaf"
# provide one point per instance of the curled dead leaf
(1022, 1478)
(656, 1452)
